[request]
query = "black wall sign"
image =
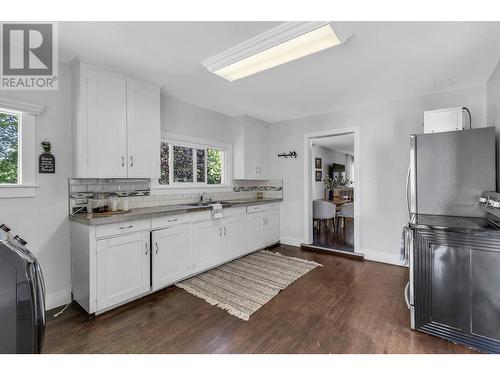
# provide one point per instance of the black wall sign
(47, 163)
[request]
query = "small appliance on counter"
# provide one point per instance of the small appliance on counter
(451, 244)
(22, 297)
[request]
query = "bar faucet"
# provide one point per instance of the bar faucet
(201, 197)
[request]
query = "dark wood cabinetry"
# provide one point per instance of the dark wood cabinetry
(457, 287)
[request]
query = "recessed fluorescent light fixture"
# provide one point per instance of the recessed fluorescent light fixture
(287, 42)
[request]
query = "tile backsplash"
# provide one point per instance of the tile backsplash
(139, 194)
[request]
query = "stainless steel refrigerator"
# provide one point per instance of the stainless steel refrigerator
(449, 170)
(447, 174)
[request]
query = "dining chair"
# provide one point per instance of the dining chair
(346, 212)
(324, 210)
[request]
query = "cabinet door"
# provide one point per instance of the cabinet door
(207, 244)
(106, 124)
(251, 151)
(485, 292)
(271, 227)
(254, 231)
(123, 269)
(262, 151)
(172, 255)
(441, 281)
(143, 130)
(232, 235)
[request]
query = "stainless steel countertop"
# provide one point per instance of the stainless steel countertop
(149, 212)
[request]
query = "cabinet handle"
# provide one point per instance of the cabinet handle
(130, 226)
(256, 170)
(123, 161)
(146, 245)
(172, 220)
(156, 245)
(131, 161)
(220, 231)
(224, 231)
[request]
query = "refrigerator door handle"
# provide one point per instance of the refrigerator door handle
(407, 295)
(408, 173)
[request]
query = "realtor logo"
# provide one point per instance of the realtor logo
(28, 56)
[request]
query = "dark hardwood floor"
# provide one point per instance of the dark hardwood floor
(346, 306)
(339, 239)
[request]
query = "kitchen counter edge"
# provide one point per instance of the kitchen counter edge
(150, 212)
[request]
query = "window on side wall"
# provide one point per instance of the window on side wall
(10, 157)
(193, 164)
(18, 148)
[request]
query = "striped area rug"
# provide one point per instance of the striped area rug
(244, 285)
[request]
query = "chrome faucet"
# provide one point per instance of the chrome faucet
(201, 197)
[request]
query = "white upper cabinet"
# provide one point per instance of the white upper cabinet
(116, 120)
(143, 130)
(251, 149)
(106, 124)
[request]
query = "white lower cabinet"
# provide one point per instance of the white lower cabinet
(271, 227)
(217, 241)
(233, 244)
(207, 244)
(123, 269)
(112, 263)
(172, 255)
(254, 231)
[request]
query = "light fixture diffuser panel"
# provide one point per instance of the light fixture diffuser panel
(285, 43)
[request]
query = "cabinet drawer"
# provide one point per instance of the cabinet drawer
(262, 207)
(234, 211)
(122, 228)
(169, 220)
(203, 215)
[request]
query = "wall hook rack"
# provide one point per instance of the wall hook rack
(291, 154)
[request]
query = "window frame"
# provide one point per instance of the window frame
(27, 177)
(196, 144)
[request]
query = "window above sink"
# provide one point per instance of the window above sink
(187, 162)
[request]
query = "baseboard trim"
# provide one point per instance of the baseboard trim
(383, 257)
(326, 250)
(291, 241)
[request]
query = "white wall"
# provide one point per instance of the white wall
(328, 157)
(385, 130)
(493, 110)
(43, 220)
(191, 120)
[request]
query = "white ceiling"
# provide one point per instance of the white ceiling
(341, 143)
(383, 61)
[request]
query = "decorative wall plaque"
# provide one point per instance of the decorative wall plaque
(46, 161)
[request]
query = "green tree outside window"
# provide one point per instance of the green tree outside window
(214, 166)
(9, 148)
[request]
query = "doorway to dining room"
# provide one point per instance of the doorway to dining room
(332, 191)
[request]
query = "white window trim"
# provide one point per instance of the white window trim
(27, 186)
(194, 142)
